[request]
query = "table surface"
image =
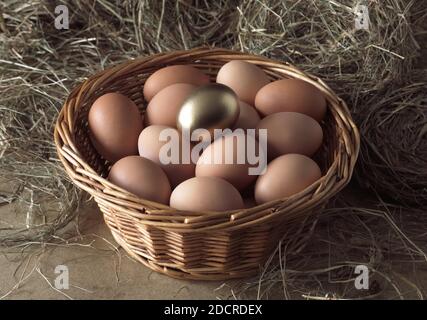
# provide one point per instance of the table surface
(97, 269)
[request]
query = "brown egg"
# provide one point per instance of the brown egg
(248, 117)
(286, 176)
(291, 95)
(164, 106)
(150, 145)
(244, 78)
(141, 177)
(206, 194)
(115, 124)
(291, 132)
(164, 77)
(229, 158)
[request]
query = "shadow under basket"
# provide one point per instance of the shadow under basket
(198, 245)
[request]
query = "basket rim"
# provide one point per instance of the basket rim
(163, 216)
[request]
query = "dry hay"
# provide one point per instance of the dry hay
(389, 240)
(394, 144)
(39, 65)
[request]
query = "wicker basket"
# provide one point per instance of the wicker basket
(198, 245)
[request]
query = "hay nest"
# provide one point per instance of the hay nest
(393, 157)
(39, 65)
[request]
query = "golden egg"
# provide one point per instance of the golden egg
(210, 107)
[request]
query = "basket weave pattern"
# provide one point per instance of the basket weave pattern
(198, 245)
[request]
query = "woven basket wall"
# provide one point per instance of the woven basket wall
(198, 245)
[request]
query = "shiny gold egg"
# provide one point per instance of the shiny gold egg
(210, 107)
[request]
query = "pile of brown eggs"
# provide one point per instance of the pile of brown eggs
(182, 99)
